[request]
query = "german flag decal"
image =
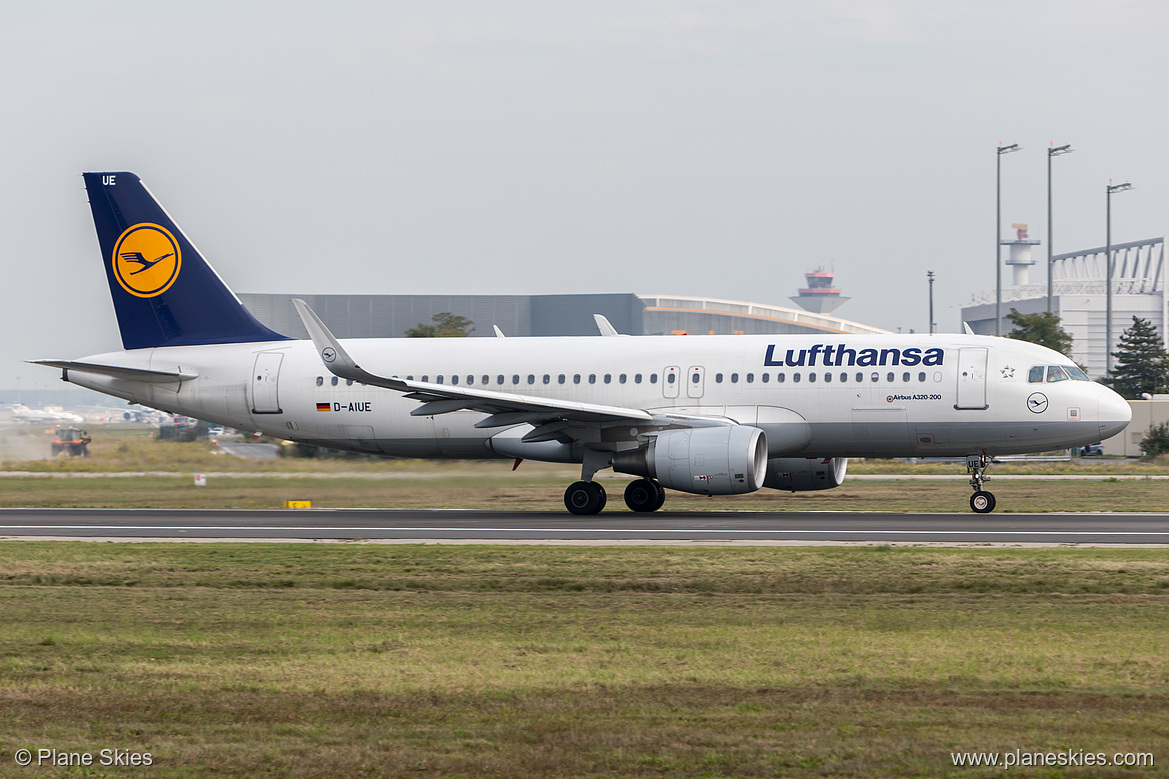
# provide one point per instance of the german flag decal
(323, 407)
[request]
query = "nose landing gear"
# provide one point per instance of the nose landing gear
(982, 502)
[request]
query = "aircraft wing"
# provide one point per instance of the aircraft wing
(503, 408)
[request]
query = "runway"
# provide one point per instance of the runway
(411, 526)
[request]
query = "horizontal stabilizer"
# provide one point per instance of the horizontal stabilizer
(118, 371)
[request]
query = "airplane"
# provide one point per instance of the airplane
(710, 415)
(22, 413)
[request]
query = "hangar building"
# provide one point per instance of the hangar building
(1079, 299)
(390, 316)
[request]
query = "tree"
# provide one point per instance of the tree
(1142, 364)
(446, 325)
(1042, 328)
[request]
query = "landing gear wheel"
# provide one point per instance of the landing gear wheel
(982, 502)
(585, 497)
(644, 495)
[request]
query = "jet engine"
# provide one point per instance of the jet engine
(798, 474)
(727, 460)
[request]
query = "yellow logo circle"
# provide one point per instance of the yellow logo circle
(146, 260)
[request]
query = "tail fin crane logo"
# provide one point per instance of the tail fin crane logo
(146, 260)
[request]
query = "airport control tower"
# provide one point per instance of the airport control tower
(1021, 255)
(819, 297)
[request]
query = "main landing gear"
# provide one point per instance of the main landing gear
(982, 502)
(588, 497)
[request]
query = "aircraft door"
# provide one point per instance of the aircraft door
(972, 378)
(695, 379)
(671, 378)
(264, 386)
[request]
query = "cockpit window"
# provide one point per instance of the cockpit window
(1035, 375)
(1076, 373)
(1056, 373)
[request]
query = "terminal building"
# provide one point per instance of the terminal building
(390, 316)
(1079, 299)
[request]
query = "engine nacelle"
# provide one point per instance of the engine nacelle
(726, 460)
(798, 474)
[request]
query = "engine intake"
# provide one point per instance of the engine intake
(799, 474)
(728, 460)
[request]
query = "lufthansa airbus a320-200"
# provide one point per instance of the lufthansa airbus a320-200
(712, 415)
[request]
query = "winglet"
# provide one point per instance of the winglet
(604, 326)
(498, 332)
(968, 329)
(334, 356)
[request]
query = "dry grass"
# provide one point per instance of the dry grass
(343, 660)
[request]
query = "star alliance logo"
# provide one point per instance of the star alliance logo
(1008, 372)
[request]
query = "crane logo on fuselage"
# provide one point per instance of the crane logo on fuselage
(836, 355)
(146, 260)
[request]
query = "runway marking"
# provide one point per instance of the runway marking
(247, 528)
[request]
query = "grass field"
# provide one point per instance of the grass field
(359, 660)
(166, 470)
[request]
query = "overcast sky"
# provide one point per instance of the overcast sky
(689, 148)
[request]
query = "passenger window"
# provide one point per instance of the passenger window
(766, 377)
(486, 380)
(876, 377)
(454, 379)
(718, 378)
(531, 378)
(320, 381)
(750, 378)
(921, 376)
(499, 379)
(891, 377)
(438, 379)
(515, 378)
(349, 382)
(425, 378)
(780, 377)
(1056, 373)
(1035, 375)
(576, 378)
(796, 378)
(471, 380)
(622, 378)
(860, 377)
(608, 378)
(653, 378)
(592, 378)
(333, 381)
(637, 378)
(560, 379)
(409, 378)
(827, 376)
(843, 376)
(734, 378)
(812, 376)
(905, 376)
(547, 379)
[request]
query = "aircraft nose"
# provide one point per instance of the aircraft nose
(1114, 413)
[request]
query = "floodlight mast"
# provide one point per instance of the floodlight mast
(1053, 151)
(1112, 188)
(998, 235)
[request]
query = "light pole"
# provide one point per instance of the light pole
(1108, 275)
(1053, 151)
(998, 234)
(930, 275)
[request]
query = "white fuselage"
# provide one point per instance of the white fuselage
(815, 396)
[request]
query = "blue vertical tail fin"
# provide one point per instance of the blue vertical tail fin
(165, 293)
